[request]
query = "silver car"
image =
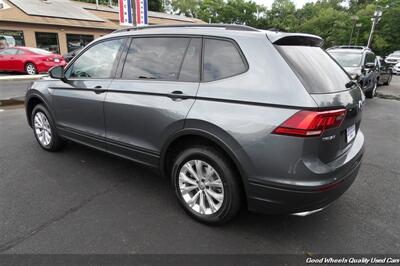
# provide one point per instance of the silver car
(232, 115)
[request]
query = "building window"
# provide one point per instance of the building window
(47, 41)
(77, 41)
(11, 38)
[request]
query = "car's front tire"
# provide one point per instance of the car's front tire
(206, 185)
(44, 129)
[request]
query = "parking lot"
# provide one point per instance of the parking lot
(83, 201)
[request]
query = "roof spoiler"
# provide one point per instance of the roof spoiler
(283, 38)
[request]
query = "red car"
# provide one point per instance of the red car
(28, 60)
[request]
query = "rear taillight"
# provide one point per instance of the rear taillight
(311, 123)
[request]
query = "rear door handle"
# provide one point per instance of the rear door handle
(178, 95)
(99, 90)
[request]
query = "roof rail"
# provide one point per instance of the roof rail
(191, 25)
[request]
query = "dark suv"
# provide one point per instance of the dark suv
(361, 64)
(231, 114)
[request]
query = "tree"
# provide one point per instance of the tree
(156, 5)
(240, 12)
(212, 11)
(188, 8)
(282, 15)
(332, 25)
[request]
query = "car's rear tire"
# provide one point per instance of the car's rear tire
(30, 69)
(206, 185)
(44, 129)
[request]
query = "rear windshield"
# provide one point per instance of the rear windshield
(39, 51)
(318, 72)
(347, 59)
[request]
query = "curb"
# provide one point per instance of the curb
(22, 77)
(12, 101)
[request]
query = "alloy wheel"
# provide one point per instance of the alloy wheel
(201, 187)
(30, 69)
(42, 129)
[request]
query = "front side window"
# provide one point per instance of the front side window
(155, 58)
(221, 60)
(8, 52)
(97, 62)
(47, 41)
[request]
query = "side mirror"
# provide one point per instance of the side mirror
(57, 72)
(370, 65)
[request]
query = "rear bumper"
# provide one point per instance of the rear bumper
(44, 67)
(292, 199)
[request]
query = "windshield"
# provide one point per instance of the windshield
(395, 55)
(39, 51)
(347, 59)
(315, 68)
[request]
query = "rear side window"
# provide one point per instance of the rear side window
(317, 71)
(222, 59)
(155, 58)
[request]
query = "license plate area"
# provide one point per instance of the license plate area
(350, 133)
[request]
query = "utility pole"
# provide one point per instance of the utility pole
(354, 19)
(375, 19)
(358, 26)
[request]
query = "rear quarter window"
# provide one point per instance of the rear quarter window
(222, 59)
(317, 71)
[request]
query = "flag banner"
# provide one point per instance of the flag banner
(125, 13)
(141, 12)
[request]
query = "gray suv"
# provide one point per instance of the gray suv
(231, 114)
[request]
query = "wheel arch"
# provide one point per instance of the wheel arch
(186, 137)
(30, 104)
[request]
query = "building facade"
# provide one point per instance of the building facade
(62, 26)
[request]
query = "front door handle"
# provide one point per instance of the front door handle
(99, 90)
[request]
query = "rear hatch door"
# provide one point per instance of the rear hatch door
(330, 87)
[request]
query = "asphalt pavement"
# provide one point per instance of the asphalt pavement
(83, 201)
(13, 88)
